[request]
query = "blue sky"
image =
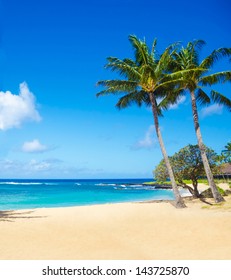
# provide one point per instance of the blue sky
(52, 54)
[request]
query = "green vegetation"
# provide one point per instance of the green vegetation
(188, 167)
(150, 183)
(221, 191)
(157, 182)
(208, 193)
(199, 181)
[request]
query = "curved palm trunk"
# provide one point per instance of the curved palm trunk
(179, 203)
(217, 196)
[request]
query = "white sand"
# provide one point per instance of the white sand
(118, 231)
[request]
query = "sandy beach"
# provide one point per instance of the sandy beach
(118, 231)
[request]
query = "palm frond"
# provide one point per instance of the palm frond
(202, 98)
(116, 86)
(169, 100)
(221, 99)
(198, 44)
(138, 98)
(170, 84)
(193, 49)
(188, 57)
(220, 77)
(164, 62)
(130, 62)
(186, 73)
(191, 53)
(126, 67)
(141, 50)
(135, 97)
(215, 56)
(179, 60)
(153, 52)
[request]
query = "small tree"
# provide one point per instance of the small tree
(160, 172)
(187, 165)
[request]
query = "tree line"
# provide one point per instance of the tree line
(159, 80)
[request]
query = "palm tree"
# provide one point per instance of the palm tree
(227, 153)
(193, 77)
(144, 81)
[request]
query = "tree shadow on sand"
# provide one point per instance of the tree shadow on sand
(11, 216)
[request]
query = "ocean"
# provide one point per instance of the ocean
(30, 194)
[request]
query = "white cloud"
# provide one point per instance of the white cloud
(46, 168)
(214, 109)
(148, 141)
(11, 168)
(180, 100)
(35, 165)
(34, 147)
(16, 109)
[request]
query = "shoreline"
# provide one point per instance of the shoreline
(185, 195)
(123, 231)
(146, 230)
(88, 205)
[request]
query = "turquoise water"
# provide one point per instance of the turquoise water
(29, 194)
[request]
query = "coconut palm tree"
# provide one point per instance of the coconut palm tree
(194, 76)
(226, 154)
(144, 81)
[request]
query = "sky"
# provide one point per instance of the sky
(52, 53)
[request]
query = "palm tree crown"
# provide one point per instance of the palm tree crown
(195, 75)
(144, 75)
